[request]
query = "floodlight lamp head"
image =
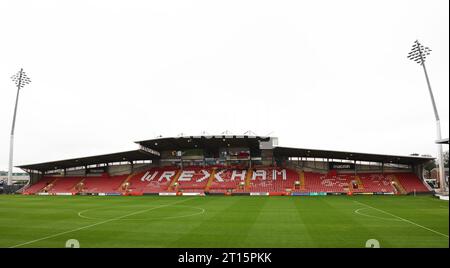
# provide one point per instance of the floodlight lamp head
(419, 53)
(21, 79)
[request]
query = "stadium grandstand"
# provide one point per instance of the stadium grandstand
(227, 165)
(16, 176)
(19, 180)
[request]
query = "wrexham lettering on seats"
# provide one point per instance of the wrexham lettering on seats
(236, 175)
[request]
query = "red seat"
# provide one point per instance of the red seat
(411, 183)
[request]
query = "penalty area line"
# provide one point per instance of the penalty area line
(403, 219)
(96, 224)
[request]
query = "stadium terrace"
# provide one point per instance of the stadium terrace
(227, 165)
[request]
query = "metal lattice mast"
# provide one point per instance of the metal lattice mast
(20, 79)
(419, 54)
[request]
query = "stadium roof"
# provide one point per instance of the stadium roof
(134, 155)
(205, 142)
(150, 150)
(442, 141)
(298, 152)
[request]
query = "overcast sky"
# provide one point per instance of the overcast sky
(317, 74)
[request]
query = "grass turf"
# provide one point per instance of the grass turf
(236, 221)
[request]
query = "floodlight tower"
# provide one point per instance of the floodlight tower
(418, 54)
(20, 79)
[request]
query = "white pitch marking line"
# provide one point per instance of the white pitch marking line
(95, 224)
(405, 220)
(80, 214)
(185, 216)
(358, 211)
(202, 211)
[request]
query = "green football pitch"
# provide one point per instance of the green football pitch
(233, 221)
